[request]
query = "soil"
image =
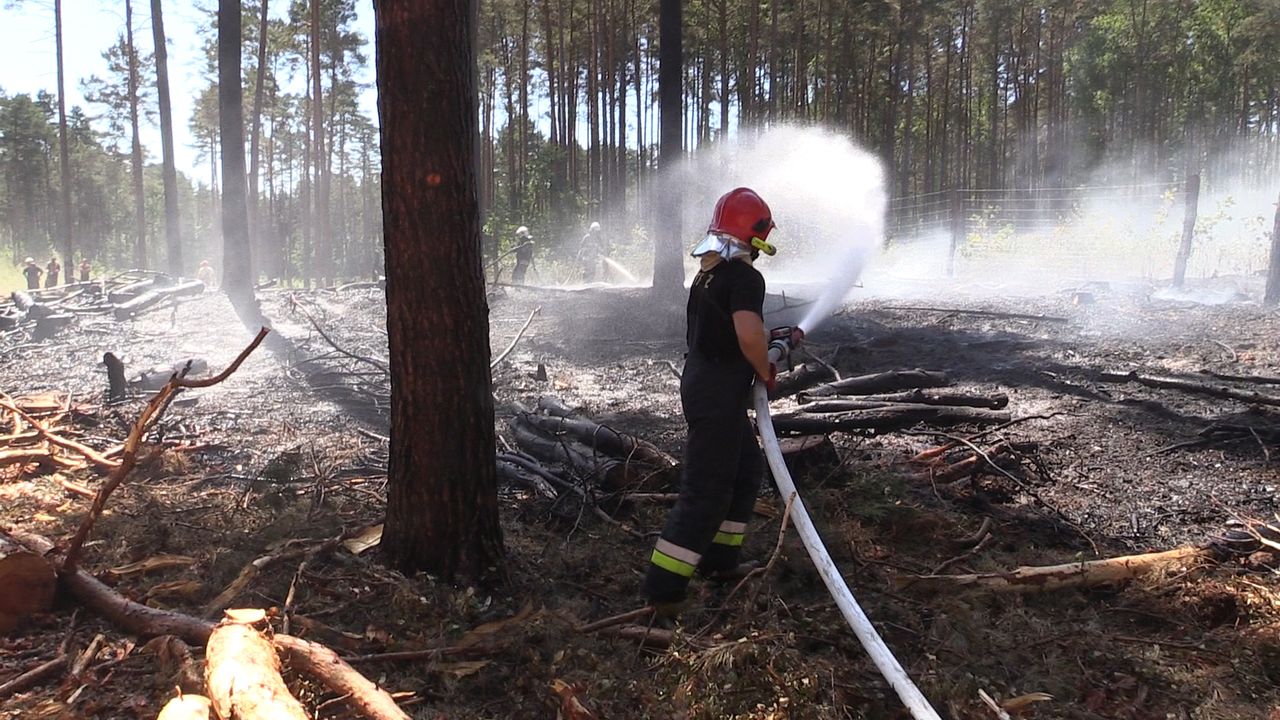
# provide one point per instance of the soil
(289, 449)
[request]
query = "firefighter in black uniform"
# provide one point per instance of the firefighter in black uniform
(524, 255)
(728, 351)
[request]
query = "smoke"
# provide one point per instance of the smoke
(827, 197)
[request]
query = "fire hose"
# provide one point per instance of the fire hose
(889, 667)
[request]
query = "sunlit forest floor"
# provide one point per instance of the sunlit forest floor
(286, 451)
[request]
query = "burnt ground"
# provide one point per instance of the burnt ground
(280, 453)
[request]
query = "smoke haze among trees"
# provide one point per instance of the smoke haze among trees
(959, 93)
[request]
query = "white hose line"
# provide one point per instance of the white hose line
(883, 658)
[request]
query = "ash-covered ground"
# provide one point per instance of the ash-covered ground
(288, 448)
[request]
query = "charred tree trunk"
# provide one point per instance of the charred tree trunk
(324, 234)
(64, 155)
(135, 155)
(237, 265)
(172, 223)
(256, 234)
(668, 261)
(442, 507)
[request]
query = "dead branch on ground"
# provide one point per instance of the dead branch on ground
(151, 413)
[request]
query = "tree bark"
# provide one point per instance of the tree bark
(256, 234)
(172, 220)
(320, 662)
(237, 270)
(1272, 296)
(884, 382)
(323, 232)
(135, 155)
(442, 507)
(64, 154)
(885, 419)
(668, 255)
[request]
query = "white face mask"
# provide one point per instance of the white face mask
(724, 246)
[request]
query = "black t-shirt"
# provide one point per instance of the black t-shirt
(714, 297)
(32, 272)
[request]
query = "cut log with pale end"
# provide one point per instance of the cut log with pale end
(27, 582)
(885, 419)
(885, 382)
(186, 707)
(242, 674)
(324, 664)
(802, 378)
(1035, 579)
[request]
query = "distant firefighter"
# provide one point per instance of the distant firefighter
(524, 255)
(54, 271)
(205, 274)
(592, 253)
(85, 267)
(33, 273)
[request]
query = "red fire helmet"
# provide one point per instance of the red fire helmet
(743, 214)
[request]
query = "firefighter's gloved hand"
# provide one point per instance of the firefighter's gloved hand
(771, 382)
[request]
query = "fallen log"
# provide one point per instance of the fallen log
(885, 382)
(186, 707)
(514, 474)
(1256, 379)
(802, 378)
(604, 437)
(998, 401)
(1034, 579)
(606, 471)
(638, 458)
(40, 455)
(27, 583)
(980, 313)
(1191, 386)
(324, 664)
(887, 419)
(967, 466)
(132, 290)
(133, 307)
(242, 674)
(807, 453)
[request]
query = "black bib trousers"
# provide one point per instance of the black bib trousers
(719, 481)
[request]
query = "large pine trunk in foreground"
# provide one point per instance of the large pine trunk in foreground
(237, 270)
(442, 506)
(668, 256)
(172, 223)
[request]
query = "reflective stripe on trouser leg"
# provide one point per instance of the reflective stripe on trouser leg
(731, 533)
(675, 559)
(708, 477)
(725, 549)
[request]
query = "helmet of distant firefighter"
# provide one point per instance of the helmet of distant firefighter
(522, 232)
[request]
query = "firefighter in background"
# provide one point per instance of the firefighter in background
(524, 255)
(205, 274)
(592, 252)
(32, 272)
(85, 267)
(728, 352)
(53, 271)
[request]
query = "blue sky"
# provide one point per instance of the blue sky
(28, 64)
